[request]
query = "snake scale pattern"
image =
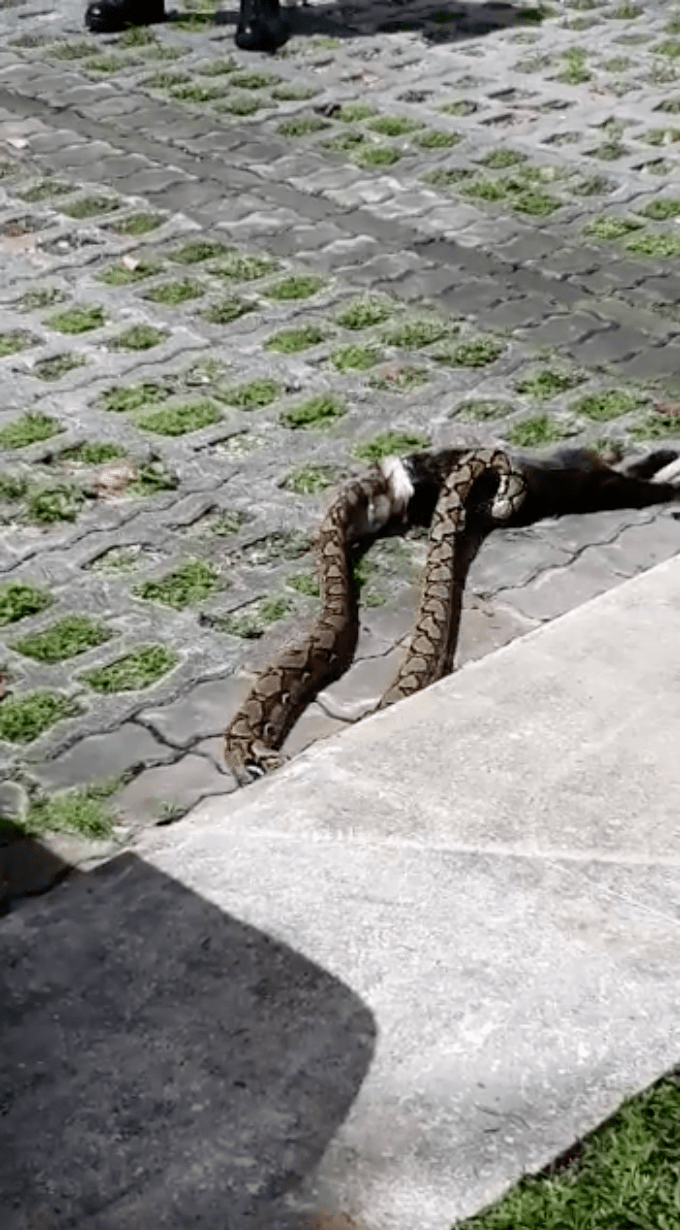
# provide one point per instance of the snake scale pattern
(361, 511)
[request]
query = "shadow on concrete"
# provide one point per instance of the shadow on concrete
(437, 22)
(27, 867)
(163, 1064)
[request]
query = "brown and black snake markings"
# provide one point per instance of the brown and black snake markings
(459, 493)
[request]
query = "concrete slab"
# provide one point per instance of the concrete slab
(494, 868)
(480, 886)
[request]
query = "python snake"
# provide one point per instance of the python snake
(363, 509)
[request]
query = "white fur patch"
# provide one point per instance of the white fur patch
(401, 487)
(669, 474)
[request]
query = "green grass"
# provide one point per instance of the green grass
(574, 71)
(649, 244)
(254, 395)
(181, 419)
(459, 106)
(29, 428)
(305, 583)
(91, 453)
(126, 274)
(78, 320)
(434, 138)
(480, 409)
(83, 811)
(45, 190)
(133, 671)
(290, 341)
(171, 294)
(227, 310)
(390, 443)
(547, 383)
(655, 427)
(477, 352)
(58, 366)
(23, 718)
(663, 136)
(295, 287)
(310, 479)
(223, 524)
(239, 104)
(607, 405)
(138, 224)
(535, 432)
(66, 638)
(611, 227)
(344, 141)
(19, 599)
(623, 1176)
(365, 312)
(252, 81)
(90, 206)
(393, 125)
(355, 358)
(12, 487)
(76, 49)
(317, 411)
(120, 399)
(137, 337)
(375, 156)
(446, 177)
(609, 151)
(289, 92)
(256, 618)
(15, 341)
(243, 267)
(187, 585)
(152, 477)
(166, 80)
(48, 505)
(661, 209)
(39, 297)
(590, 185)
(215, 68)
(354, 113)
(194, 92)
(302, 125)
(415, 334)
(501, 159)
(197, 250)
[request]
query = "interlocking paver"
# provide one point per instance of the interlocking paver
(535, 215)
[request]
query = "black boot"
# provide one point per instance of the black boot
(260, 26)
(110, 16)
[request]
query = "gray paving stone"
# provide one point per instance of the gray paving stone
(156, 795)
(103, 756)
(558, 590)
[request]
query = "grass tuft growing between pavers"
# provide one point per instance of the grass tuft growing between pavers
(83, 811)
(30, 428)
(390, 443)
(25, 717)
(187, 585)
(19, 599)
(132, 672)
(68, 637)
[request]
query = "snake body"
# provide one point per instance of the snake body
(288, 684)
(361, 511)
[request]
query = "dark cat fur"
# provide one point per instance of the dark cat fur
(567, 481)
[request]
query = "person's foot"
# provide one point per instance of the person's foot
(260, 26)
(110, 16)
